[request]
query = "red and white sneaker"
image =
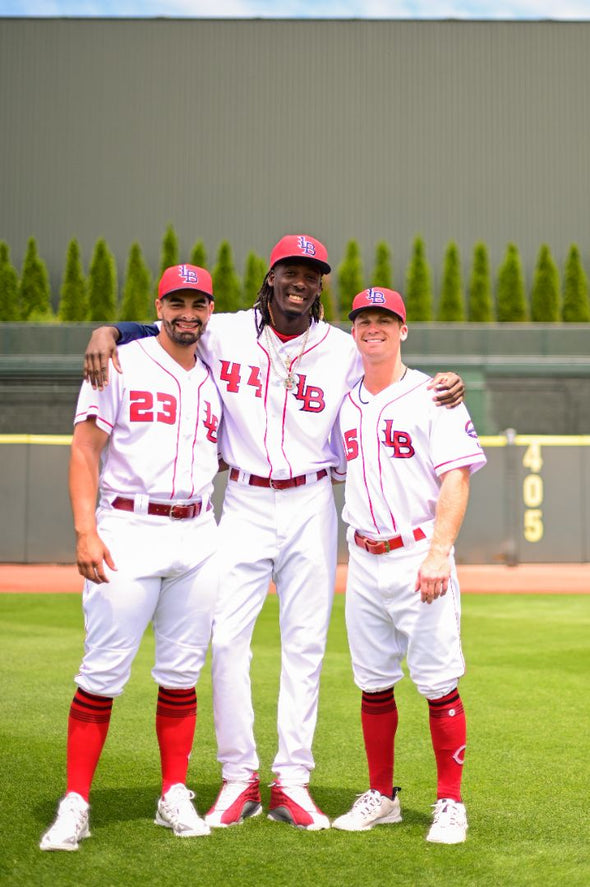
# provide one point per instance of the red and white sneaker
(293, 804)
(235, 802)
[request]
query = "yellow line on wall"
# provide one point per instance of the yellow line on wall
(48, 440)
(497, 440)
(545, 440)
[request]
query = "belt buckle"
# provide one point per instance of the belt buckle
(387, 546)
(277, 484)
(172, 515)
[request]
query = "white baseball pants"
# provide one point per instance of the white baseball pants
(289, 536)
(167, 574)
(386, 621)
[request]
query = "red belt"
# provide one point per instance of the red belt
(382, 546)
(174, 512)
(255, 481)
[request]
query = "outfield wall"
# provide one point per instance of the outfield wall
(531, 504)
(530, 376)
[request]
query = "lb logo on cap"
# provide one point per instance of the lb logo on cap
(387, 300)
(294, 247)
(306, 246)
(185, 277)
(376, 297)
(188, 274)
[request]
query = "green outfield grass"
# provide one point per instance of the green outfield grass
(526, 777)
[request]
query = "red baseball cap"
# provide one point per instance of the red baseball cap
(378, 297)
(300, 246)
(185, 277)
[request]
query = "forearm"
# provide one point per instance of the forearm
(83, 485)
(450, 510)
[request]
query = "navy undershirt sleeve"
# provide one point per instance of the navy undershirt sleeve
(129, 331)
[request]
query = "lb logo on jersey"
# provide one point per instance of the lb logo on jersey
(311, 396)
(306, 246)
(211, 423)
(188, 275)
(399, 441)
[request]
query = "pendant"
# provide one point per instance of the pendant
(289, 382)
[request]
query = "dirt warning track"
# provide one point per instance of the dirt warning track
(474, 579)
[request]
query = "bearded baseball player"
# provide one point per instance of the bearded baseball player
(282, 374)
(407, 487)
(148, 553)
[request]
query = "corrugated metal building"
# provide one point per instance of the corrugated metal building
(247, 129)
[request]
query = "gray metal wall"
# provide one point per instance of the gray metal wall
(249, 129)
(530, 504)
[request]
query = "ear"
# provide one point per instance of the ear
(403, 333)
(270, 277)
(158, 304)
(353, 331)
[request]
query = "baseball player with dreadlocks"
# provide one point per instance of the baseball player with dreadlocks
(282, 373)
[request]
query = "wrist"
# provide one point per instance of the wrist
(440, 548)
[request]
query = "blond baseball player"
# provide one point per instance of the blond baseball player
(148, 553)
(282, 374)
(406, 492)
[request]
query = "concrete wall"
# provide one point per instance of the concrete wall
(245, 130)
(530, 504)
(531, 377)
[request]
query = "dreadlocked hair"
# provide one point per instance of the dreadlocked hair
(262, 309)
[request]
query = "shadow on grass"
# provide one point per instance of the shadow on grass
(138, 803)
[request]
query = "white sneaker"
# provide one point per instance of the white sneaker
(235, 802)
(293, 804)
(176, 811)
(368, 810)
(449, 824)
(70, 826)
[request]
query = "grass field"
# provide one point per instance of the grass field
(526, 777)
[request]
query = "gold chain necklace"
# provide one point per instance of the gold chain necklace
(289, 361)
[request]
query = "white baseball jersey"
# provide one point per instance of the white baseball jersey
(293, 425)
(166, 422)
(163, 422)
(398, 444)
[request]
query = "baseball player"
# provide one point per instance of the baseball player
(149, 552)
(407, 487)
(282, 374)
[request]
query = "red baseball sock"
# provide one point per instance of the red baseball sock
(379, 719)
(448, 731)
(88, 725)
(176, 718)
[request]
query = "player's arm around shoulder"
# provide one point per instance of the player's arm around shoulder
(88, 442)
(102, 354)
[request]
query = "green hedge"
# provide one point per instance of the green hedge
(487, 297)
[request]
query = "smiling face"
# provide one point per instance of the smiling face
(296, 285)
(184, 315)
(378, 334)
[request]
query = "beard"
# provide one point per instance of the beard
(184, 337)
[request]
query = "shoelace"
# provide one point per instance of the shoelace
(180, 800)
(366, 802)
(70, 817)
(450, 810)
